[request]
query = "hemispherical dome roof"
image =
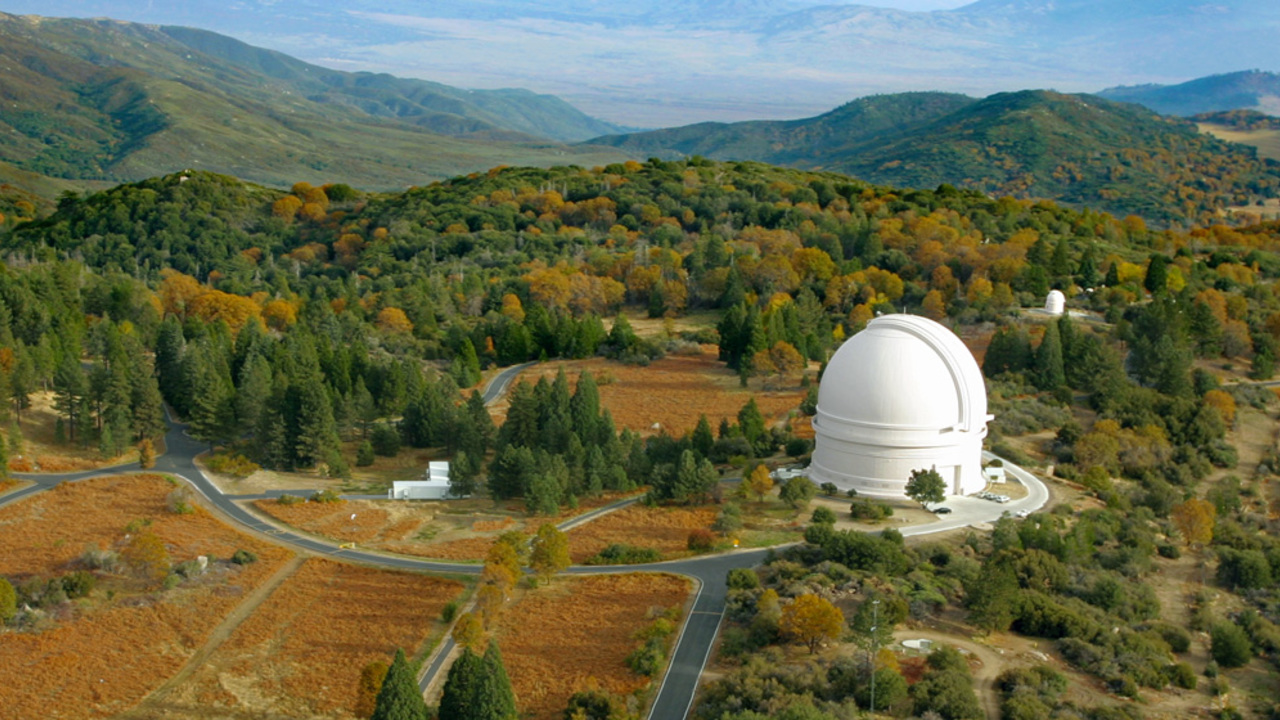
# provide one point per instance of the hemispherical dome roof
(904, 372)
(1055, 303)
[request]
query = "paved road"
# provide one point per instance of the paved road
(679, 686)
(497, 387)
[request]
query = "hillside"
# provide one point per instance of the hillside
(114, 101)
(794, 142)
(1037, 144)
(1247, 90)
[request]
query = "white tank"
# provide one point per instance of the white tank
(904, 394)
(1056, 303)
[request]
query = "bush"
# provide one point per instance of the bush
(325, 496)
(364, 454)
(288, 499)
(244, 557)
(385, 441)
(233, 464)
(79, 583)
(1230, 645)
(829, 488)
(701, 540)
(823, 516)
(450, 611)
(869, 510)
(1179, 639)
(623, 554)
(1169, 550)
(179, 501)
(728, 520)
(1182, 675)
(648, 658)
(743, 579)
(797, 447)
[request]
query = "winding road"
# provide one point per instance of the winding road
(676, 693)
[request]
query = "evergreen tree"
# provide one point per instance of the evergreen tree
(148, 403)
(70, 390)
(1009, 352)
(317, 432)
(584, 407)
(252, 392)
(751, 422)
(1157, 274)
(496, 701)
(170, 349)
(459, 699)
(399, 698)
(702, 440)
(1050, 374)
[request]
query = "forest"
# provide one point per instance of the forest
(276, 323)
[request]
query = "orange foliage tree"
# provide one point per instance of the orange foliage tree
(1195, 519)
(393, 320)
(811, 620)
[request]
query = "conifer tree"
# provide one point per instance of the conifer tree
(458, 700)
(496, 700)
(1050, 374)
(702, 440)
(399, 698)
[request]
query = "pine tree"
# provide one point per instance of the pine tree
(1050, 374)
(458, 700)
(170, 349)
(70, 389)
(584, 407)
(702, 440)
(317, 432)
(751, 420)
(496, 700)
(399, 698)
(148, 403)
(252, 392)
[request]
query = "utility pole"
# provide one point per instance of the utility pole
(875, 649)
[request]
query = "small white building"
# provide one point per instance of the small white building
(994, 473)
(434, 485)
(1056, 303)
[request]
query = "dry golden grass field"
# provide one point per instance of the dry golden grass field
(663, 529)
(577, 633)
(100, 655)
(301, 652)
(450, 530)
(672, 392)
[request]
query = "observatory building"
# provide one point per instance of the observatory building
(904, 394)
(1055, 303)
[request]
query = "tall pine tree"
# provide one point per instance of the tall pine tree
(399, 698)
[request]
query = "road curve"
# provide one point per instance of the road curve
(680, 683)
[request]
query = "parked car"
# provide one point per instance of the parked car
(941, 511)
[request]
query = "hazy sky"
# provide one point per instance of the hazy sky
(917, 4)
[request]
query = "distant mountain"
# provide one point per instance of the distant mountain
(672, 62)
(1248, 90)
(111, 101)
(1037, 144)
(811, 141)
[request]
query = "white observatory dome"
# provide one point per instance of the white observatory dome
(1056, 303)
(904, 394)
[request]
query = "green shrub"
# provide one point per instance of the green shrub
(244, 557)
(287, 499)
(743, 579)
(648, 658)
(325, 496)
(623, 554)
(79, 583)
(1182, 675)
(823, 516)
(866, 509)
(1230, 645)
(450, 611)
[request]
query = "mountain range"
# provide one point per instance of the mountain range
(1247, 90)
(651, 64)
(111, 101)
(1037, 144)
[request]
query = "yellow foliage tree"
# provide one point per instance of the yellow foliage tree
(1195, 519)
(146, 454)
(393, 320)
(811, 620)
(760, 482)
(550, 552)
(371, 677)
(177, 291)
(286, 207)
(1223, 403)
(216, 305)
(147, 556)
(468, 631)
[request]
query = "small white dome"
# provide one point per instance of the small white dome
(1056, 303)
(903, 394)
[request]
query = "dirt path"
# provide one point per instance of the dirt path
(984, 676)
(216, 638)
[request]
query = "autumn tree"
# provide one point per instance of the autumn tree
(760, 482)
(1195, 520)
(371, 676)
(550, 552)
(147, 556)
(811, 620)
(146, 454)
(468, 631)
(399, 697)
(926, 486)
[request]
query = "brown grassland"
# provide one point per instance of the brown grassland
(451, 530)
(672, 391)
(663, 529)
(102, 654)
(301, 652)
(576, 634)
